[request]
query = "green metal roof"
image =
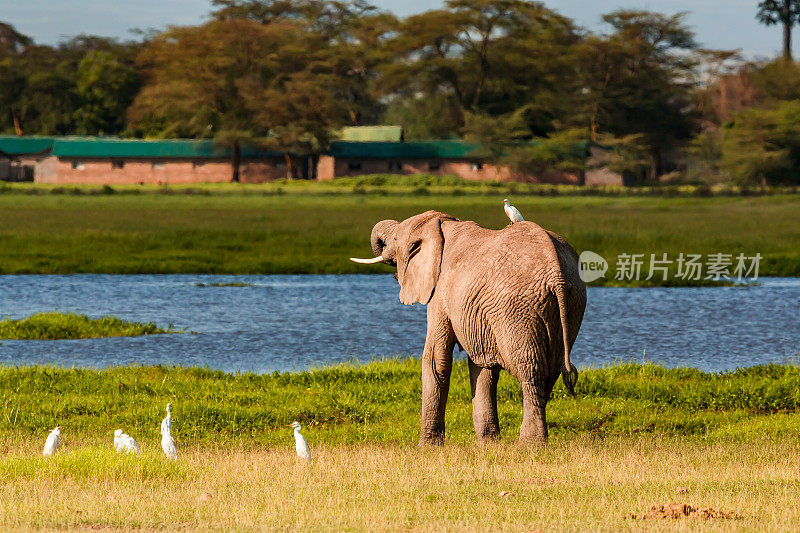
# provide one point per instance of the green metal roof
(407, 150)
(372, 133)
(14, 145)
(147, 148)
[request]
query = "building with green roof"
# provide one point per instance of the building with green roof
(14, 146)
(19, 156)
(361, 150)
(110, 147)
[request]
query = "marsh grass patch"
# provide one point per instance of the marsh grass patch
(55, 325)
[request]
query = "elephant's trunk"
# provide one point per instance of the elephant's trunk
(382, 239)
(382, 242)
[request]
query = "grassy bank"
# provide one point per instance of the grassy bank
(634, 438)
(223, 231)
(50, 326)
(379, 403)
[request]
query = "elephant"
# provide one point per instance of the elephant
(511, 299)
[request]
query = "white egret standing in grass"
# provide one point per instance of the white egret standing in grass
(512, 212)
(300, 443)
(124, 442)
(167, 442)
(51, 444)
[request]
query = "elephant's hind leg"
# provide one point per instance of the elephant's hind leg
(525, 354)
(534, 419)
(484, 401)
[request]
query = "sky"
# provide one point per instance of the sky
(723, 24)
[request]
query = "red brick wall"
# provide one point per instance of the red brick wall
(160, 172)
(326, 168)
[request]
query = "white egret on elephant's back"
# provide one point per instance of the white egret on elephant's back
(512, 212)
(300, 444)
(51, 444)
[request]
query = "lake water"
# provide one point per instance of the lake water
(296, 322)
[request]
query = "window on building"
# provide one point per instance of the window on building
(157, 166)
(78, 165)
(115, 163)
(434, 165)
(395, 165)
(477, 166)
(354, 165)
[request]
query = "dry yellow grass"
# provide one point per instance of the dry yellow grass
(574, 484)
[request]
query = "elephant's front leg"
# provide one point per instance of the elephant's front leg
(437, 361)
(484, 401)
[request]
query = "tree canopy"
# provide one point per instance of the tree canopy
(514, 75)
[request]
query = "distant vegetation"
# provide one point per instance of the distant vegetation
(379, 403)
(299, 228)
(51, 326)
(398, 184)
(518, 77)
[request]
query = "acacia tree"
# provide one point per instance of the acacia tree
(485, 56)
(224, 80)
(640, 80)
(785, 12)
(350, 35)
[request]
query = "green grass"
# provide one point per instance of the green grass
(380, 402)
(636, 436)
(50, 326)
(307, 229)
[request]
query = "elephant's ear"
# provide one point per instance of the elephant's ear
(419, 260)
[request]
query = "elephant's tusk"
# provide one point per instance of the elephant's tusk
(367, 261)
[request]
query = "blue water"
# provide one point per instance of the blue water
(296, 322)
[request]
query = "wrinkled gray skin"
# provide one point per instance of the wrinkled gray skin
(508, 297)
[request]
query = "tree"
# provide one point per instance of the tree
(485, 56)
(786, 12)
(83, 85)
(435, 116)
(562, 151)
(352, 36)
(105, 87)
(640, 80)
(12, 42)
(239, 82)
(762, 146)
(495, 134)
(41, 97)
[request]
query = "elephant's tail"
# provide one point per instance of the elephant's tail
(569, 374)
